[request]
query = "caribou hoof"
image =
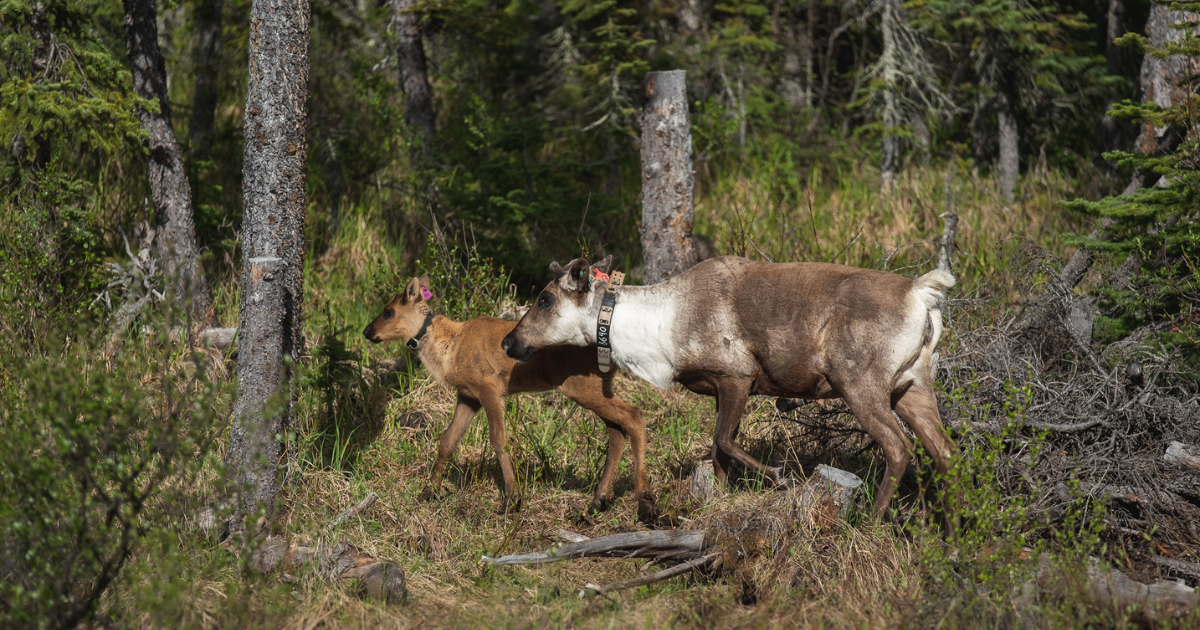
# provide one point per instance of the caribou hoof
(647, 510)
(600, 504)
(428, 494)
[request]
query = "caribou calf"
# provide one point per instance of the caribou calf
(731, 328)
(467, 356)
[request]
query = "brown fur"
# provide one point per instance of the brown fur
(731, 328)
(467, 356)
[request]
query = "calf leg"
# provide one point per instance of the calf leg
(874, 414)
(448, 442)
(595, 394)
(732, 395)
(493, 405)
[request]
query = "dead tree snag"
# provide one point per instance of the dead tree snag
(667, 178)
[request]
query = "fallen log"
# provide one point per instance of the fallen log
(826, 496)
(1177, 454)
(1180, 567)
(1155, 602)
(341, 561)
(219, 338)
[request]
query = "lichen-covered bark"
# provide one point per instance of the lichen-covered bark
(269, 331)
(206, 59)
(410, 59)
(667, 178)
(169, 188)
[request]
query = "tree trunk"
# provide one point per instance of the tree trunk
(410, 57)
(207, 60)
(270, 337)
(892, 117)
(667, 178)
(1160, 81)
(1164, 81)
(1009, 165)
(809, 51)
(168, 181)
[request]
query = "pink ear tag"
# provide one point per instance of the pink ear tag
(600, 275)
(426, 293)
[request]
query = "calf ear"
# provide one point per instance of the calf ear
(576, 278)
(412, 292)
(603, 265)
(557, 270)
(425, 287)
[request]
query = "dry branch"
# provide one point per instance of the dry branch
(219, 338)
(342, 561)
(825, 497)
(353, 511)
(1182, 567)
(1155, 601)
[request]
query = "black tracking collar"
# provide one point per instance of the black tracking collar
(416, 340)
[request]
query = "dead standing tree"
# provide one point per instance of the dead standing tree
(269, 333)
(410, 61)
(667, 178)
(169, 185)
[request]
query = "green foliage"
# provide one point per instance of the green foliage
(1156, 230)
(466, 283)
(94, 458)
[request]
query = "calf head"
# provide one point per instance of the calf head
(565, 310)
(405, 315)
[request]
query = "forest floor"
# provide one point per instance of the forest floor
(361, 434)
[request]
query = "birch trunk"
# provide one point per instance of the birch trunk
(269, 332)
(410, 58)
(206, 59)
(667, 178)
(169, 185)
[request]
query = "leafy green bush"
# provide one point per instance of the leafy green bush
(468, 284)
(94, 458)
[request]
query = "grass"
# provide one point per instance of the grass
(863, 574)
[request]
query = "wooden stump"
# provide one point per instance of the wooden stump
(702, 484)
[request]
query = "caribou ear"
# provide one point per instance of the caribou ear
(557, 270)
(411, 291)
(577, 275)
(603, 265)
(424, 286)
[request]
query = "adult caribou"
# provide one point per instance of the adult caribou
(730, 327)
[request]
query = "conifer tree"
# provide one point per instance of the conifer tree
(1158, 228)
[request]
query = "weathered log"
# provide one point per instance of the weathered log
(654, 544)
(1160, 600)
(219, 338)
(354, 510)
(826, 496)
(342, 561)
(1181, 567)
(1178, 454)
(571, 537)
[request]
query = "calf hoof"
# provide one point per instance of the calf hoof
(428, 494)
(510, 504)
(600, 504)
